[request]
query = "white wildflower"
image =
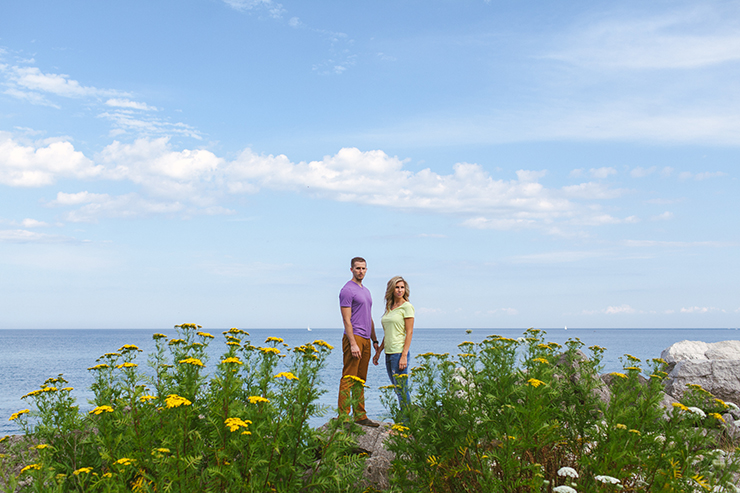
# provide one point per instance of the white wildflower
(607, 479)
(563, 489)
(698, 412)
(568, 471)
(733, 405)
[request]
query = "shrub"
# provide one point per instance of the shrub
(521, 415)
(244, 428)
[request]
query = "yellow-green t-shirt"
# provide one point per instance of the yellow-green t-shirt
(394, 327)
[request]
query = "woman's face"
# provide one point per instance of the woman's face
(400, 290)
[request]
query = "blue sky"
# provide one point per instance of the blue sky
(219, 162)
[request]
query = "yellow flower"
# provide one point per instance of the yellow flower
(42, 446)
(68, 389)
(129, 347)
(535, 383)
(632, 368)
(159, 336)
(680, 406)
(636, 432)
(233, 360)
(387, 387)
(232, 343)
(235, 423)
(15, 416)
(192, 361)
(106, 475)
(101, 410)
(288, 375)
(356, 379)
(31, 466)
(620, 426)
(127, 364)
(274, 339)
(82, 470)
(254, 399)
(176, 341)
(174, 400)
(205, 334)
(466, 355)
(617, 374)
(110, 355)
(541, 360)
(162, 450)
(717, 416)
(125, 461)
(432, 460)
(234, 330)
(145, 398)
(4, 438)
(400, 428)
(721, 403)
(319, 342)
(99, 367)
(267, 350)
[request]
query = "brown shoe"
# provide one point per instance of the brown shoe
(368, 422)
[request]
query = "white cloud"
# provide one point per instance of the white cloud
(127, 121)
(576, 173)
(686, 39)
(667, 215)
(38, 165)
(557, 257)
(26, 236)
(274, 9)
(33, 79)
(687, 175)
(640, 172)
(614, 310)
(127, 103)
(128, 206)
(602, 173)
(33, 223)
(592, 191)
(700, 309)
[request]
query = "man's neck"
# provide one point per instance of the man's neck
(356, 281)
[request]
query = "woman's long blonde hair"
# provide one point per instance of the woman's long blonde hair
(389, 292)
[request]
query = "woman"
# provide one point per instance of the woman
(398, 328)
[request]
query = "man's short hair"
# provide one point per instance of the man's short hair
(355, 260)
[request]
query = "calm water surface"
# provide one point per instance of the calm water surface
(29, 357)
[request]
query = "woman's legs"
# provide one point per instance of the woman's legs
(402, 390)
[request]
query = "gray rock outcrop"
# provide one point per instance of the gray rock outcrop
(715, 366)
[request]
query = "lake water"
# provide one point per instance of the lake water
(29, 357)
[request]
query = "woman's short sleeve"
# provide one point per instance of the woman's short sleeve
(408, 310)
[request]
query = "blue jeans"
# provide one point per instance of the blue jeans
(402, 389)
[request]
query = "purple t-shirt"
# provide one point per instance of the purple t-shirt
(358, 298)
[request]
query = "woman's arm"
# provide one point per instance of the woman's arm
(409, 324)
(378, 351)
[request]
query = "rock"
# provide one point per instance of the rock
(379, 459)
(371, 441)
(715, 366)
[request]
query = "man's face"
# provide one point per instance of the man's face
(358, 271)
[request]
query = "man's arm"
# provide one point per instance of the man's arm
(347, 320)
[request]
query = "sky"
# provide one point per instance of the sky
(521, 164)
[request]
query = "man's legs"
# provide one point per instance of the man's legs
(356, 367)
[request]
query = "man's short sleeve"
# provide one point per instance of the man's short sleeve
(345, 297)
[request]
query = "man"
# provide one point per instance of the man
(356, 305)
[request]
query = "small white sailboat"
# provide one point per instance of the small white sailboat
(309, 328)
(566, 327)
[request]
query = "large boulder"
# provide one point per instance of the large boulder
(715, 366)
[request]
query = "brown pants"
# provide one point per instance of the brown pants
(358, 368)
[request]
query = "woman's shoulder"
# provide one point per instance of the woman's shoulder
(407, 307)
